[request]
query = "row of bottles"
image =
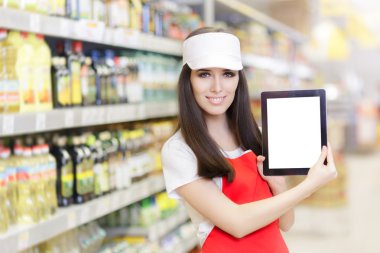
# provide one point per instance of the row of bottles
(32, 80)
(143, 213)
(35, 179)
(161, 18)
(25, 81)
(28, 180)
(85, 239)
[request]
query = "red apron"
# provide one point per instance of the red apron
(248, 186)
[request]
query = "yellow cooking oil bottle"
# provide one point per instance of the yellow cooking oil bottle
(24, 71)
(50, 177)
(11, 191)
(42, 74)
(3, 34)
(9, 55)
(39, 183)
(27, 208)
(4, 220)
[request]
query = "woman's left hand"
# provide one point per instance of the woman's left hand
(277, 184)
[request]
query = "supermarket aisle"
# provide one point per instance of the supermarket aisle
(351, 229)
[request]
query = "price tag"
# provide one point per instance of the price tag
(115, 201)
(71, 220)
(23, 240)
(8, 124)
(35, 23)
(108, 36)
(64, 27)
(85, 215)
(103, 207)
(40, 122)
(69, 118)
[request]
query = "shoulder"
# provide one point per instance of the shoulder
(177, 144)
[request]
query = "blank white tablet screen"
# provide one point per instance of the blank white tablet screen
(294, 132)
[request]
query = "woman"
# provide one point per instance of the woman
(213, 161)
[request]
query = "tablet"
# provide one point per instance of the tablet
(293, 129)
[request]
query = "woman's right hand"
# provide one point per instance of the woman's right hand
(320, 174)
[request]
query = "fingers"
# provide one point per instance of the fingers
(323, 155)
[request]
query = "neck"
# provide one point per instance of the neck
(216, 124)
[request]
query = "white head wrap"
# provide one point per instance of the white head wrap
(212, 50)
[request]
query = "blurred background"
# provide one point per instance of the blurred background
(88, 96)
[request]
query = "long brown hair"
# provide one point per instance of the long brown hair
(211, 162)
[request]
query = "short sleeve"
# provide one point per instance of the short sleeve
(179, 165)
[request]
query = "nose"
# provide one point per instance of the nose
(216, 84)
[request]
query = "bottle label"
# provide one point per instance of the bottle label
(67, 180)
(75, 83)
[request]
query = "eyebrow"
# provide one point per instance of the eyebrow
(200, 70)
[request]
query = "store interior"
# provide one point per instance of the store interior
(88, 96)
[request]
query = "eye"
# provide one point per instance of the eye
(229, 74)
(203, 74)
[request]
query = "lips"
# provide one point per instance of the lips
(216, 100)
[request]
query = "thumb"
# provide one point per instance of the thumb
(260, 159)
(323, 155)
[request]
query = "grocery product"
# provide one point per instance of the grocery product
(75, 59)
(65, 177)
(42, 74)
(4, 219)
(60, 82)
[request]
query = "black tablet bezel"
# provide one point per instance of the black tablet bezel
(290, 94)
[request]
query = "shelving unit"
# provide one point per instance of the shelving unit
(155, 231)
(84, 30)
(23, 237)
(22, 123)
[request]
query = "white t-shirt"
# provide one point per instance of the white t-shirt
(179, 165)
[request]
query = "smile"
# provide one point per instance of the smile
(216, 100)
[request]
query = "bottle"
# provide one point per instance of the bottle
(51, 178)
(4, 219)
(24, 65)
(61, 83)
(11, 85)
(98, 166)
(75, 59)
(42, 74)
(11, 189)
(65, 177)
(77, 156)
(39, 180)
(88, 166)
(90, 97)
(3, 69)
(111, 89)
(95, 57)
(27, 208)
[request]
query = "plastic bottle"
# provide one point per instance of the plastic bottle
(24, 72)
(14, 4)
(61, 83)
(112, 86)
(27, 208)
(95, 56)
(40, 183)
(11, 190)
(4, 220)
(75, 59)
(11, 85)
(65, 177)
(51, 178)
(42, 74)
(88, 166)
(77, 156)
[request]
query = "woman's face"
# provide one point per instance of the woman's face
(214, 89)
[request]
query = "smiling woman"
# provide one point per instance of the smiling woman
(213, 161)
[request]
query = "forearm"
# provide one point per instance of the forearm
(258, 214)
(286, 221)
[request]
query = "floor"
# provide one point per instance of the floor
(350, 229)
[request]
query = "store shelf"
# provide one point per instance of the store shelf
(85, 30)
(155, 231)
(187, 244)
(277, 66)
(23, 237)
(253, 14)
(23, 123)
